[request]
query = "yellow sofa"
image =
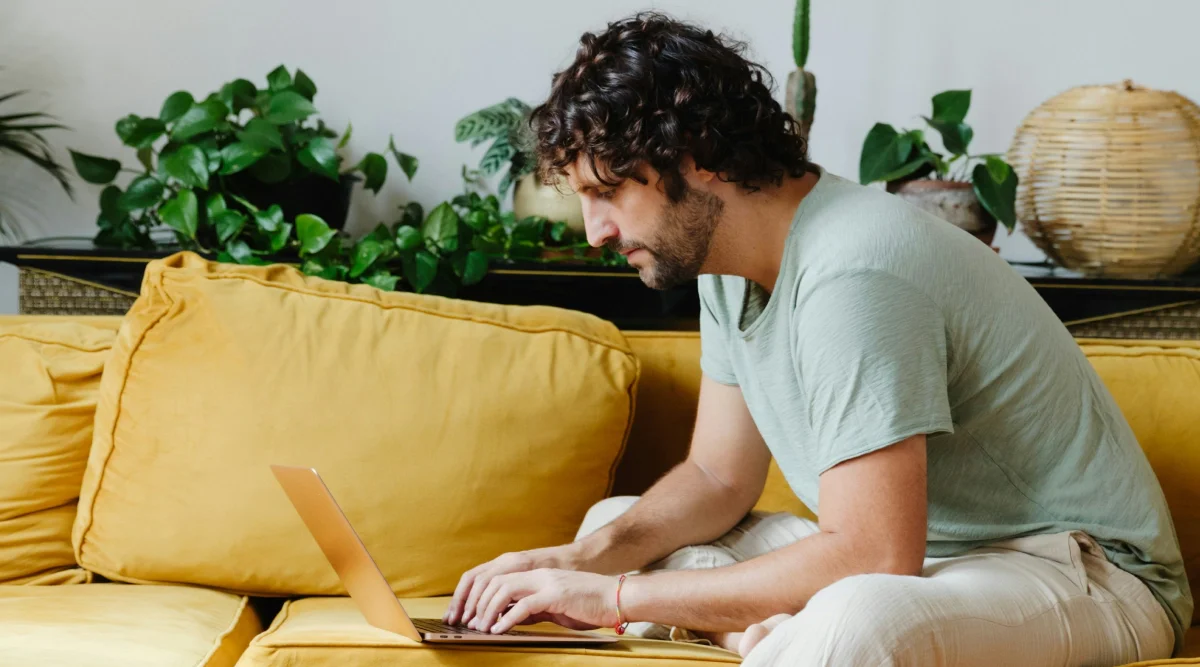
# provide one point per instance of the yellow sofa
(104, 623)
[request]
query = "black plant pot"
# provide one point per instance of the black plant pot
(317, 195)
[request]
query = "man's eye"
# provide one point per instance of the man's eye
(606, 194)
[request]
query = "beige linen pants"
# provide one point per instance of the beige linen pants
(1039, 600)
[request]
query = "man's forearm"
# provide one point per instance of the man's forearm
(687, 506)
(730, 599)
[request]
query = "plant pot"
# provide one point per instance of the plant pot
(530, 197)
(310, 193)
(952, 201)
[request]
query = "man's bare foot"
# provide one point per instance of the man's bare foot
(758, 632)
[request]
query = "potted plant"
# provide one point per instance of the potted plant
(506, 125)
(211, 166)
(21, 135)
(971, 191)
(801, 101)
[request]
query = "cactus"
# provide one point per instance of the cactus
(801, 100)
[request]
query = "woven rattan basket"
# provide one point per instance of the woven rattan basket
(1110, 180)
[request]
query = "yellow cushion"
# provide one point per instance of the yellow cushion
(51, 371)
(1158, 389)
(330, 631)
(450, 431)
(123, 626)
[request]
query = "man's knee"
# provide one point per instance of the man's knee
(862, 619)
(603, 513)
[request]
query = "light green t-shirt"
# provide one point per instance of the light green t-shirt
(887, 322)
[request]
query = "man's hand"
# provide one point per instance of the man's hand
(465, 603)
(577, 600)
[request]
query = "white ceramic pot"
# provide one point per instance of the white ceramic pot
(530, 197)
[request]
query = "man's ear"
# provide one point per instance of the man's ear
(689, 170)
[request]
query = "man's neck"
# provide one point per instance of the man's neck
(753, 233)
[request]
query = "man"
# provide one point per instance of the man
(981, 498)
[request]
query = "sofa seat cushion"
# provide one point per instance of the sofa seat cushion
(123, 626)
(319, 632)
(49, 376)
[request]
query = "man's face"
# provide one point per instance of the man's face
(667, 242)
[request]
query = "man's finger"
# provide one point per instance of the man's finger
(454, 611)
(504, 594)
(523, 609)
(470, 607)
(476, 610)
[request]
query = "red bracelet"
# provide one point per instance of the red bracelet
(621, 623)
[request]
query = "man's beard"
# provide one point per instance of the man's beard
(683, 241)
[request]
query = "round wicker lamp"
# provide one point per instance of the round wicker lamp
(1110, 180)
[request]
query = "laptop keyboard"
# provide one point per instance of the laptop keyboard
(438, 627)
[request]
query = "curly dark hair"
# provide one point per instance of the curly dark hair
(651, 89)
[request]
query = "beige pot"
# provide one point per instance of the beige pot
(530, 197)
(952, 201)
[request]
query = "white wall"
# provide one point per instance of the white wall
(413, 68)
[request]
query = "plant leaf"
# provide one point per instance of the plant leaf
(382, 279)
(237, 156)
(288, 106)
(320, 157)
(181, 213)
(365, 253)
(558, 231)
(955, 136)
(314, 234)
(506, 182)
(92, 169)
(229, 224)
(238, 94)
(269, 220)
(420, 269)
(374, 168)
(495, 121)
(215, 205)
(279, 238)
(475, 268)
(407, 238)
(497, 155)
(140, 132)
(951, 106)
(346, 136)
(274, 167)
(408, 163)
(146, 157)
(440, 229)
(200, 118)
(884, 151)
(261, 134)
(241, 253)
(143, 192)
(176, 105)
(110, 209)
(414, 214)
(998, 168)
(211, 151)
(304, 85)
(997, 195)
(186, 164)
(279, 79)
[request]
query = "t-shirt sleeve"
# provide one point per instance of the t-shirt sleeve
(871, 358)
(714, 345)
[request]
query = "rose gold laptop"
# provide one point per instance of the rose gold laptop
(367, 585)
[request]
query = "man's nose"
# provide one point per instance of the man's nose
(599, 227)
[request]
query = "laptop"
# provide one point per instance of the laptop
(369, 588)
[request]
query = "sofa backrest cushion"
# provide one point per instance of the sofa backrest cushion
(449, 431)
(49, 376)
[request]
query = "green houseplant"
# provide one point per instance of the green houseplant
(21, 135)
(506, 126)
(210, 166)
(801, 101)
(973, 191)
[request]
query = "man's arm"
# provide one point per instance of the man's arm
(873, 520)
(697, 501)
